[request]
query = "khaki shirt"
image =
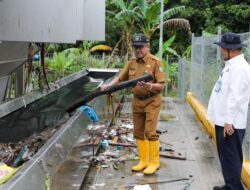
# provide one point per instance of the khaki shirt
(138, 67)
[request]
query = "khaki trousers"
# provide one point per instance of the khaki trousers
(145, 117)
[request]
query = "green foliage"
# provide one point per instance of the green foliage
(187, 53)
(150, 17)
(173, 93)
(209, 79)
(152, 13)
(86, 45)
(232, 15)
(172, 79)
(166, 47)
(51, 47)
(246, 50)
(128, 16)
(173, 12)
(62, 61)
(207, 15)
(125, 12)
(47, 182)
(173, 71)
(123, 17)
(113, 35)
(73, 60)
(141, 16)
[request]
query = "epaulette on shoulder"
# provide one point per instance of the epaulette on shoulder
(155, 58)
(132, 59)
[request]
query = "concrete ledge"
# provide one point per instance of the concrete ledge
(201, 111)
(245, 175)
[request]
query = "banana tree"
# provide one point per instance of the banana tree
(150, 17)
(166, 47)
(126, 13)
(170, 70)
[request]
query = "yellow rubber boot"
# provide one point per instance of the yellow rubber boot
(143, 150)
(154, 162)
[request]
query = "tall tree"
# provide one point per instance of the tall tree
(126, 13)
(231, 15)
(150, 17)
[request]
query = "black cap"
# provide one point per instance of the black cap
(139, 40)
(230, 40)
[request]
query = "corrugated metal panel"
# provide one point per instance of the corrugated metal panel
(13, 50)
(39, 21)
(59, 21)
(93, 20)
(12, 55)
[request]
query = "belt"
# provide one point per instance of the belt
(144, 97)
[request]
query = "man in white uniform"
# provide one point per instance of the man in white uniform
(228, 107)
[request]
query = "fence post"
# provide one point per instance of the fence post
(103, 56)
(191, 64)
(161, 29)
(218, 59)
(179, 78)
(166, 86)
(202, 68)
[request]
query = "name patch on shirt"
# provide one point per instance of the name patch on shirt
(218, 86)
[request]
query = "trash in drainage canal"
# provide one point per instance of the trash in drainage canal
(24, 131)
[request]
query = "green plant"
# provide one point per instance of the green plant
(150, 16)
(73, 60)
(166, 47)
(172, 79)
(61, 62)
(126, 13)
(187, 53)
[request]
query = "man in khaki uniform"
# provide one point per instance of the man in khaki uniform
(146, 102)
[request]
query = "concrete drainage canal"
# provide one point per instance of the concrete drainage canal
(40, 139)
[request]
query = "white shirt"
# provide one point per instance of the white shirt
(230, 96)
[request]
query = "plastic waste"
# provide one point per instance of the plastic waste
(96, 129)
(130, 137)
(105, 144)
(21, 156)
(118, 147)
(89, 112)
(6, 172)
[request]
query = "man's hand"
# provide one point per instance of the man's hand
(143, 84)
(105, 87)
(228, 129)
(113, 82)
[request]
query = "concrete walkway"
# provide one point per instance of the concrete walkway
(200, 170)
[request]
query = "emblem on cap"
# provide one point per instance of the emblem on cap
(139, 40)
